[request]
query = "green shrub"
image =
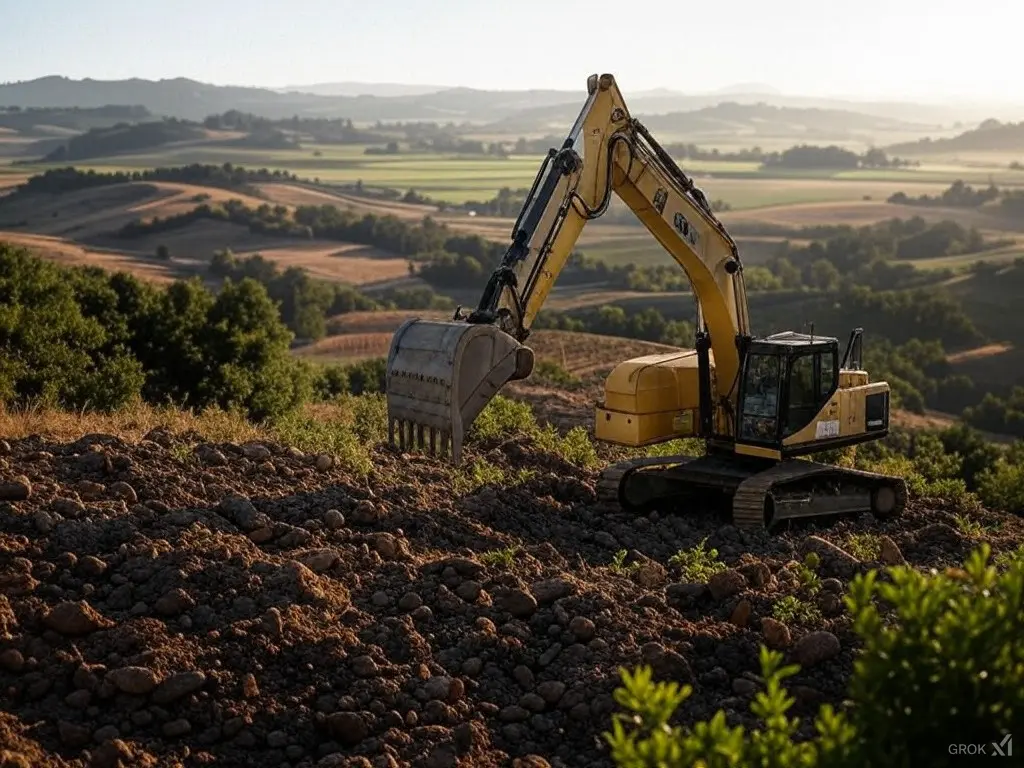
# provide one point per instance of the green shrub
(697, 565)
(941, 665)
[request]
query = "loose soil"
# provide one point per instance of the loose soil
(170, 601)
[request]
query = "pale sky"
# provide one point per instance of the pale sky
(863, 48)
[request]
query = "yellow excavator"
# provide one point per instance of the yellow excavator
(758, 403)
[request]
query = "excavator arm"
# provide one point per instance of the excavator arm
(441, 375)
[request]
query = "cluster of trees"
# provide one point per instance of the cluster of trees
(957, 195)
(1003, 415)
(83, 338)
(124, 137)
(961, 195)
(806, 156)
(304, 303)
(57, 181)
(869, 255)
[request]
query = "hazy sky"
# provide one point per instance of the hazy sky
(885, 48)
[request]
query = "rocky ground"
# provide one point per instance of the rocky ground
(177, 602)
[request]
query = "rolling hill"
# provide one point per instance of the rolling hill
(991, 136)
(189, 99)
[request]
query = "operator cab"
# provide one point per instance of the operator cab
(787, 379)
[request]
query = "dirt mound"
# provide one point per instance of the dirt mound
(168, 602)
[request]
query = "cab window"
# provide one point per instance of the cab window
(760, 408)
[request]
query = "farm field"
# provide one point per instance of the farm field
(461, 178)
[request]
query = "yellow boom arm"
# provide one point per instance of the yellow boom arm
(441, 375)
(608, 152)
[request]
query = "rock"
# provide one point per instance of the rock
(210, 456)
(776, 634)
(76, 619)
(889, 553)
(242, 513)
(364, 666)
(666, 663)
(816, 647)
(582, 628)
(11, 660)
(178, 686)
(272, 622)
(469, 590)
(551, 691)
(73, 735)
(43, 521)
(386, 545)
(18, 489)
(89, 490)
(685, 594)
(835, 561)
(91, 566)
(832, 585)
(410, 601)
(530, 761)
(137, 681)
(519, 603)
(174, 602)
(250, 689)
(437, 688)
(741, 613)
(365, 512)
(123, 490)
(650, 574)
(550, 590)
(334, 520)
(513, 714)
(66, 507)
(725, 584)
(324, 461)
(830, 603)
(277, 739)
(757, 575)
(176, 728)
(320, 560)
(524, 676)
(347, 727)
(256, 451)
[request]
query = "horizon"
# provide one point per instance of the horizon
(802, 49)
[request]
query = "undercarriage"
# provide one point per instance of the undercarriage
(761, 493)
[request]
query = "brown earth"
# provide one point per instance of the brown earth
(170, 601)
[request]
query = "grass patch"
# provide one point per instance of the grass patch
(864, 546)
(500, 557)
(697, 565)
(793, 610)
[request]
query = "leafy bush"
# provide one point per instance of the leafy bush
(80, 338)
(941, 664)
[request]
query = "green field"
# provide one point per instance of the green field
(458, 179)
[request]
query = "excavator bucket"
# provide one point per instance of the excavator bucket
(440, 375)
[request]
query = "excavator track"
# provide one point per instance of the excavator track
(762, 495)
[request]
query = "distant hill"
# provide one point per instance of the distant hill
(189, 99)
(363, 89)
(48, 121)
(102, 142)
(992, 135)
(753, 119)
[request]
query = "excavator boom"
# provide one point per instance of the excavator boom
(759, 403)
(440, 375)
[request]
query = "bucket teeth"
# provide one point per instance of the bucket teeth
(413, 436)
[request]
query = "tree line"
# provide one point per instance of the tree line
(305, 303)
(56, 181)
(962, 195)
